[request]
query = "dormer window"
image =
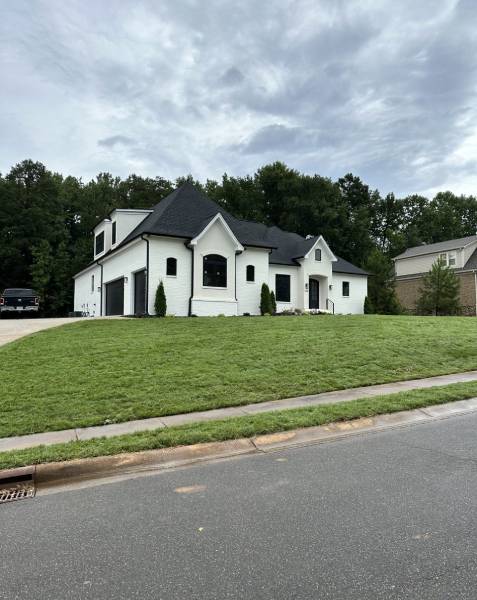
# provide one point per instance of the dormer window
(99, 243)
(113, 233)
(318, 255)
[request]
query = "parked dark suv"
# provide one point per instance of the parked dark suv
(19, 301)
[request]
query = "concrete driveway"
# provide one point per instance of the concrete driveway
(12, 329)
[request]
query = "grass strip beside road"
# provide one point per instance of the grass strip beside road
(239, 427)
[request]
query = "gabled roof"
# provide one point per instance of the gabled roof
(343, 266)
(471, 264)
(438, 247)
(186, 212)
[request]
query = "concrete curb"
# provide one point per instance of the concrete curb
(56, 476)
(360, 393)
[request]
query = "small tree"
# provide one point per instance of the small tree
(381, 294)
(273, 302)
(368, 306)
(440, 292)
(265, 300)
(160, 304)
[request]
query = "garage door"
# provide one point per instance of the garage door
(115, 297)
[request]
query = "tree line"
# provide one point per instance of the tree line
(46, 220)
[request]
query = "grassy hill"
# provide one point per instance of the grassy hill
(94, 372)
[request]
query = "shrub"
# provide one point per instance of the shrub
(273, 302)
(368, 306)
(265, 300)
(160, 304)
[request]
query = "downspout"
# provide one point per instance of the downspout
(475, 290)
(147, 273)
(101, 290)
(101, 293)
(191, 248)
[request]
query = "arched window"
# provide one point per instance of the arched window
(250, 273)
(215, 271)
(171, 268)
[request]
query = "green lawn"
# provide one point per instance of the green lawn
(94, 372)
(239, 427)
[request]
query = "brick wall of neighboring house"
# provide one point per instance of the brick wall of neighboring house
(408, 292)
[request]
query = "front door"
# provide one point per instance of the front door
(314, 294)
(140, 293)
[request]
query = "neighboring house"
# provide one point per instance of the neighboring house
(210, 263)
(413, 264)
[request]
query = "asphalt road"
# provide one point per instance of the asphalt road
(389, 515)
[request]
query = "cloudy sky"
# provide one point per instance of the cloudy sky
(384, 89)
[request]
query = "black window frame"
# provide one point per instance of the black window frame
(282, 294)
(250, 274)
(318, 253)
(92, 283)
(345, 286)
(99, 243)
(113, 233)
(214, 271)
(171, 267)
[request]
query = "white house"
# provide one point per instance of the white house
(210, 263)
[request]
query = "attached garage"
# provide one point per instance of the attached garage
(115, 297)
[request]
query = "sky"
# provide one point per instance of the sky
(386, 90)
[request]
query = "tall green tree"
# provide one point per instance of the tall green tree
(440, 291)
(381, 294)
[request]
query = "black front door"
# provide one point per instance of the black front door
(314, 294)
(140, 293)
(115, 297)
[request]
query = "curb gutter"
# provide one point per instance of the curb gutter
(51, 476)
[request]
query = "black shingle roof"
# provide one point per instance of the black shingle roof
(343, 266)
(186, 211)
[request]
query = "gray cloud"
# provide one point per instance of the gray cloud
(115, 140)
(386, 90)
(232, 76)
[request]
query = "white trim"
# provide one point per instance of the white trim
(132, 210)
(218, 217)
(217, 300)
(326, 247)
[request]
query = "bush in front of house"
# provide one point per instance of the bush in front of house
(160, 303)
(273, 302)
(265, 300)
(368, 306)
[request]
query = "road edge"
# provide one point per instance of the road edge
(58, 475)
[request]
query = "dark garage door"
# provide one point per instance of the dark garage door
(115, 297)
